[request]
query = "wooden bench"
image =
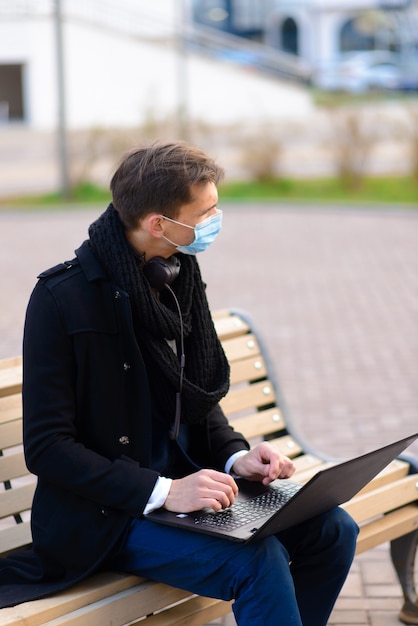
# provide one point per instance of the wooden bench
(386, 509)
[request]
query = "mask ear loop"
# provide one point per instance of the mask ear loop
(174, 431)
(173, 243)
(170, 219)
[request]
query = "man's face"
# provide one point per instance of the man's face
(203, 205)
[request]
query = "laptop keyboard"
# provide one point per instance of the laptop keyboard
(244, 512)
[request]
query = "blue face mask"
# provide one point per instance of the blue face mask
(205, 233)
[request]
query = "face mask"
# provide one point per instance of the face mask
(205, 233)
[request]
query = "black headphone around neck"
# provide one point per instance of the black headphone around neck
(161, 272)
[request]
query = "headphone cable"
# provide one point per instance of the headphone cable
(174, 431)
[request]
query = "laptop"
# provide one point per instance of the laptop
(259, 511)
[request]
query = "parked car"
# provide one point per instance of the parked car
(408, 79)
(360, 72)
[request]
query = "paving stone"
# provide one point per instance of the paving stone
(353, 586)
(348, 618)
(380, 618)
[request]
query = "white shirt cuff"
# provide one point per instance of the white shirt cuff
(159, 494)
(230, 462)
(162, 486)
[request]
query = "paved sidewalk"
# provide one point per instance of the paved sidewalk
(335, 292)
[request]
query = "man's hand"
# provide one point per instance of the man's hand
(264, 464)
(205, 488)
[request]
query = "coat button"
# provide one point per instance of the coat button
(124, 440)
(126, 367)
(117, 295)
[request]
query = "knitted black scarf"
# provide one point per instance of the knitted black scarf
(206, 374)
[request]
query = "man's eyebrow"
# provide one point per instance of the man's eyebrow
(210, 208)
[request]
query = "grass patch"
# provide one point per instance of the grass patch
(335, 99)
(81, 194)
(393, 190)
(389, 189)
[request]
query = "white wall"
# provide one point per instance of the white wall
(114, 80)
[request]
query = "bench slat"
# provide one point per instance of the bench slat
(241, 347)
(13, 361)
(15, 537)
(194, 612)
(16, 500)
(228, 326)
(12, 466)
(388, 527)
(99, 586)
(259, 424)
(124, 607)
(287, 445)
(119, 610)
(10, 381)
(248, 397)
(114, 603)
(219, 313)
(393, 472)
(248, 369)
(383, 499)
(10, 408)
(10, 434)
(306, 461)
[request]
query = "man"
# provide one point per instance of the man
(122, 380)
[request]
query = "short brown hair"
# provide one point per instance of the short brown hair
(158, 177)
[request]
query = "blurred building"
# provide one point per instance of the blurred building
(128, 62)
(317, 30)
(81, 80)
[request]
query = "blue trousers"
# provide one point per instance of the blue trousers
(291, 579)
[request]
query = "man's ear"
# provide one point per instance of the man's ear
(154, 224)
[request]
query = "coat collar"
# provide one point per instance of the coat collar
(89, 263)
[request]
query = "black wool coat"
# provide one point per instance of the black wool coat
(87, 428)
